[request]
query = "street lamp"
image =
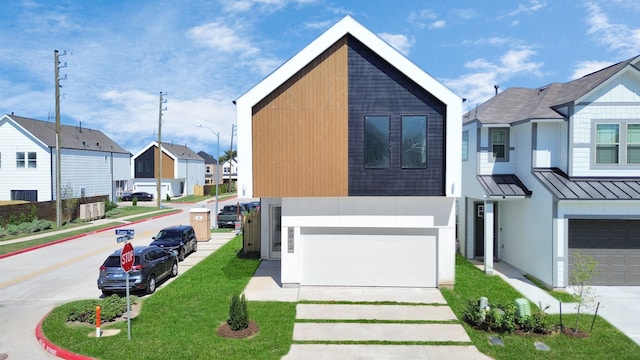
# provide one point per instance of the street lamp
(217, 134)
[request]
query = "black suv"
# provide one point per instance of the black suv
(181, 239)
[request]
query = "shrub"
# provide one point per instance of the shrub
(498, 318)
(110, 205)
(536, 323)
(168, 197)
(3, 232)
(134, 201)
(238, 315)
(110, 308)
(12, 229)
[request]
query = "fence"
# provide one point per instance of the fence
(46, 210)
(251, 233)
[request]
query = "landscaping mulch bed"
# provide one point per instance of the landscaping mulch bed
(224, 330)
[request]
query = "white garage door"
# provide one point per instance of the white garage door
(369, 260)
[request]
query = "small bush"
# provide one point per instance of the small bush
(134, 201)
(238, 315)
(109, 206)
(12, 229)
(111, 308)
(499, 317)
(168, 197)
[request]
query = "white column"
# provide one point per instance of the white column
(488, 237)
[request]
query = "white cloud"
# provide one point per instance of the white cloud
(478, 85)
(587, 67)
(529, 7)
(222, 38)
(426, 18)
(616, 37)
(400, 42)
(437, 24)
(262, 5)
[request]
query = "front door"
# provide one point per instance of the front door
(479, 229)
(275, 221)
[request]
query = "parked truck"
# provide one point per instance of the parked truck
(229, 215)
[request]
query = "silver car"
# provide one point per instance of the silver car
(151, 265)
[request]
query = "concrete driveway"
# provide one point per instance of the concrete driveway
(359, 317)
(619, 305)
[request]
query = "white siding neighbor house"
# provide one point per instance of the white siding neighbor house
(354, 152)
(91, 164)
(554, 171)
(182, 169)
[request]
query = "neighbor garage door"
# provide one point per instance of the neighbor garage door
(357, 259)
(615, 244)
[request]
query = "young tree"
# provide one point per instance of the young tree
(584, 269)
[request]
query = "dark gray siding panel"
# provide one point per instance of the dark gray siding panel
(377, 88)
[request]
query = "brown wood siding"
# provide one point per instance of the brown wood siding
(167, 164)
(300, 132)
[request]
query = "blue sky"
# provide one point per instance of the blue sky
(205, 54)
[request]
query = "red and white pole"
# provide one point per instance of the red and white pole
(98, 332)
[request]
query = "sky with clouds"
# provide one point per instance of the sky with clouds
(204, 54)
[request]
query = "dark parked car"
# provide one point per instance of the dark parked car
(151, 265)
(181, 239)
(141, 195)
(252, 206)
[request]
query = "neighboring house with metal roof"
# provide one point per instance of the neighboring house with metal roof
(182, 169)
(91, 164)
(354, 152)
(554, 171)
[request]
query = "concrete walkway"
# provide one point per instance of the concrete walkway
(368, 330)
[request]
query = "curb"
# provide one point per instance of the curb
(80, 235)
(53, 349)
(47, 345)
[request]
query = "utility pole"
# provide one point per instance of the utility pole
(159, 185)
(233, 130)
(57, 66)
(217, 175)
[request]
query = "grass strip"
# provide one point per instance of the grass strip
(560, 295)
(605, 342)
(180, 320)
(9, 248)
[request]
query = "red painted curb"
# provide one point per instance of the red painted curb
(55, 350)
(47, 345)
(81, 235)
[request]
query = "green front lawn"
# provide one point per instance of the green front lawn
(605, 342)
(180, 320)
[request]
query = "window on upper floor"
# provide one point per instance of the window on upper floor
(31, 158)
(617, 143)
(465, 146)
(20, 161)
(633, 144)
(414, 142)
(499, 144)
(607, 143)
(376, 142)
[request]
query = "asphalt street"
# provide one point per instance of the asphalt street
(35, 282)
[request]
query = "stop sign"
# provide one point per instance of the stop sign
(126, 257)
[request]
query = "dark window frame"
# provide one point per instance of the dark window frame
(493, 144)
(406, 162)
(377, 146)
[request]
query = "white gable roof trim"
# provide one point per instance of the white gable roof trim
(346, 26)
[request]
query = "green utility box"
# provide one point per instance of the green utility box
(524, 307)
